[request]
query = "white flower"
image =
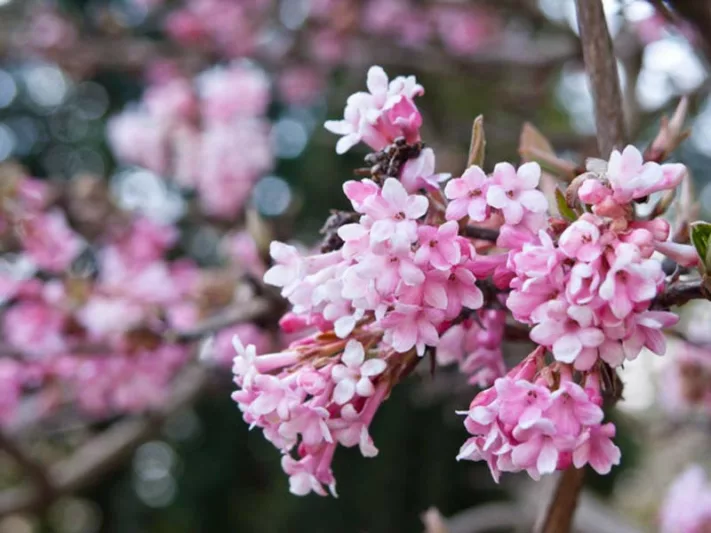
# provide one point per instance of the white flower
(353, 377)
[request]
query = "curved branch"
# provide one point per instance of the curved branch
(103, 452)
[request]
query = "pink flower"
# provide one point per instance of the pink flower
(538, 451)
(521, 402)
(308, 422)
(571, 409)
(410, 326)
(381, 115)
(644, 330)
(304, 476)
(359, 191)
(597, 449)
(50, 242)
(631, 178)
(232, 92)
(419, 173)
(514, 191)
(630, 280)
(438, 246)
(467, 195)
(568, 330)
(353, 375)
(580, 240)
(35, 328)
(394, 213)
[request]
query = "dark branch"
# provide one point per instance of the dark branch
(485, 234)
(681, 292)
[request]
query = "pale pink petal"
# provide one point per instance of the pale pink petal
(344, 391)
(373, 367)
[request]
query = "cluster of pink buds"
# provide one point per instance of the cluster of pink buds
(420, 268)
(196, 133)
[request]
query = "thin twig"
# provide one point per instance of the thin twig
(484, 234)
(229, 317)
(679, 293)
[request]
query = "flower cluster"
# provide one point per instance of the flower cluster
(414, 269)
(320, 393)
(539, 422)
(213, 23)
(198, 134)
(687, 508)
(588, 295)
(380, 116)
(86, 316)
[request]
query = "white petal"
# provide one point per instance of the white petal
(354, 354)
(373, 367)
(344, 391)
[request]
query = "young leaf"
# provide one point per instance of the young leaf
(477, 148)
(563, 206)
(701, 239)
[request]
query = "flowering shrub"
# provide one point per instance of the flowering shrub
(92, 315)
(195, 133)
(428, 266)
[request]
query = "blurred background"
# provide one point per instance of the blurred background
(206, 116)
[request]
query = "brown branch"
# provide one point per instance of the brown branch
(34, 469)
(484, 234)
(103, 452)
(559, 516)
(601, 66)
(236, 314)
(681, 292)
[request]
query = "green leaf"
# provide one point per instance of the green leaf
(477, 148)
(701, 239)
(563, 206)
